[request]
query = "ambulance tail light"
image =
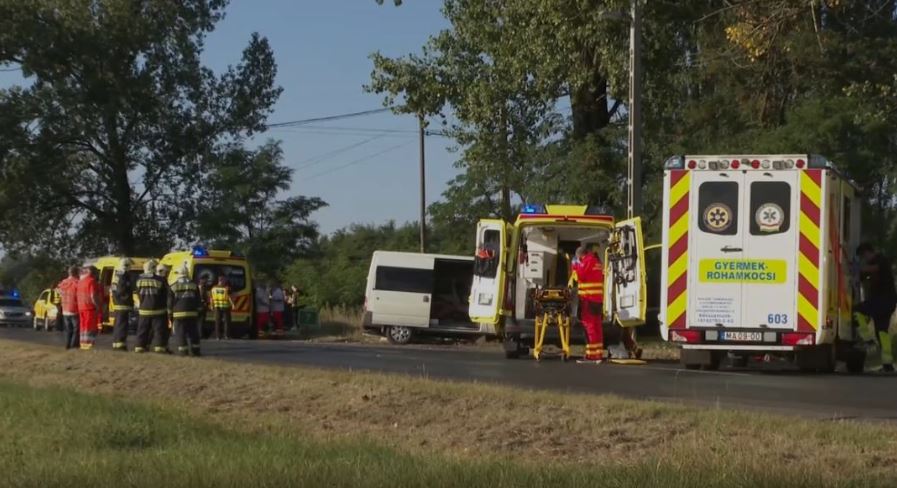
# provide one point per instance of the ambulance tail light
(735, 164)
(798, 339)
(755, 164)
(692, 164)
(800, 163)
(690, 336)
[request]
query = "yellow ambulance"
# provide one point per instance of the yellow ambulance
(757, 260)
(514, 259)
(212, 264)
(106, 266)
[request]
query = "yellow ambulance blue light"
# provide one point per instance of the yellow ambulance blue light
(200, 252)
(533, 208)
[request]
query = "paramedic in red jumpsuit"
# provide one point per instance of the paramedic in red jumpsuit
(588, 272)
(89, 303)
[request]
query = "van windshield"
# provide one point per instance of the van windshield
(11, 302)
(236, 275)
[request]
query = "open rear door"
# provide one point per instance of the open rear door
(487, 290)
(625, 280)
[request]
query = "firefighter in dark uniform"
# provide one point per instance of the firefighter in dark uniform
(122, 290)
(185, 302)
(152, 312)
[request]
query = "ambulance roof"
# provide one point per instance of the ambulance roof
(759, 162)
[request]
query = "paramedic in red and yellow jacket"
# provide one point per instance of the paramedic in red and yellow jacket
(588, 273)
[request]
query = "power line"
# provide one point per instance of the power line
(318, 129)
(322, 157)
(293, 123)
(357, 161)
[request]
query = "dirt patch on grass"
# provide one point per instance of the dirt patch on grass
(460, 419)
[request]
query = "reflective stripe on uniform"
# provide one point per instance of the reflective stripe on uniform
(122, 308)
(118, 345)
(159, 349)
(887, 355)
(151, 313)
(183, 315)
(139, 349)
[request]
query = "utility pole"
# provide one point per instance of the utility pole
(634, 201)
(423, 188)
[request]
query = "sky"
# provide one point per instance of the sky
(322, 49)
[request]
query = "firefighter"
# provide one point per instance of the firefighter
(123, 295)
(184, 301)
(262, 309)
(153, 294)
(221, 305)
(89, 303)
(588, 274)
(882, 299)
(68, 290)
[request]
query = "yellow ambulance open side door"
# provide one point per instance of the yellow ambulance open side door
(625, 283)
(490, 272)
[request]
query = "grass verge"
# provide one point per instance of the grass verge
(139, 420)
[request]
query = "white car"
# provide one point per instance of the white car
(14, 312)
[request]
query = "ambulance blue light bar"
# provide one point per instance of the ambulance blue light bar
(533, 208)
(15, 294)
(675, 162)
(200, 252)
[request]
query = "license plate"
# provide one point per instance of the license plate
(743, 336)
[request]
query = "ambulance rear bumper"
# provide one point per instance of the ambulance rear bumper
(738, 347)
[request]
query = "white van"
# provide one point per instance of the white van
(411, 293)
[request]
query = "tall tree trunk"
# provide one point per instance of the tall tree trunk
(589, 105)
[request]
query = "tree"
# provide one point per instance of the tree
(241, 209)
(108, 142)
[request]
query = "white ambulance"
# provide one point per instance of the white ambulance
(757, 260)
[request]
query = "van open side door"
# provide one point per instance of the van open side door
(626, 293)
(489, 272)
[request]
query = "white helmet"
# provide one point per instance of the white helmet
(162, 269)
(124, 264)
(149, 266)
(183, 271)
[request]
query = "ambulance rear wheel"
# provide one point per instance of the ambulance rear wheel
(513, 348)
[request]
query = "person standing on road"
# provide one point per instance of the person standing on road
(89, 303)
(205, 298)
(221, 306)
(262, 308)
(882, 300)
(588, 273)
(278, 300)
(185, 303)
(68, 291)
(122, 291)
(152, 292)
(293, 306)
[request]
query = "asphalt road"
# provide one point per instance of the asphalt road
(819, 396)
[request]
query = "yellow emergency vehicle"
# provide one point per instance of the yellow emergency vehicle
(757, 260)
(47, 309)
(512, 260)
(211, 264)
(106, 266)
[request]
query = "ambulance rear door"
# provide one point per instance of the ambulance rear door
(490, 274)
(625, 277)
(769, 223)
(716, 246)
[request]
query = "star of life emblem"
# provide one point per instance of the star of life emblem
(770, 217)
(718, 217)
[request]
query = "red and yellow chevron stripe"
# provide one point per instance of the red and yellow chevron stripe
(241, 304)
(808, 258)
(677, 271)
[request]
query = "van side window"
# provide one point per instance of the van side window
(770, 208)
(486, 259)
(410, 280)
(845, 220)
(718, 207)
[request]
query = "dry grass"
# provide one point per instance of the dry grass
(466, 421)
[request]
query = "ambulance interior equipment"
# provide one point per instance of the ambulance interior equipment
(513, 260)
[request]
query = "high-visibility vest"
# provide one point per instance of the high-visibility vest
(589, 274)
(220, 297)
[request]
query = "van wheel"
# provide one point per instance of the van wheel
(513, 348)
(398, 334)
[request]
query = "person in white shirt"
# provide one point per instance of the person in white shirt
(278, 302)
(262, 308)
